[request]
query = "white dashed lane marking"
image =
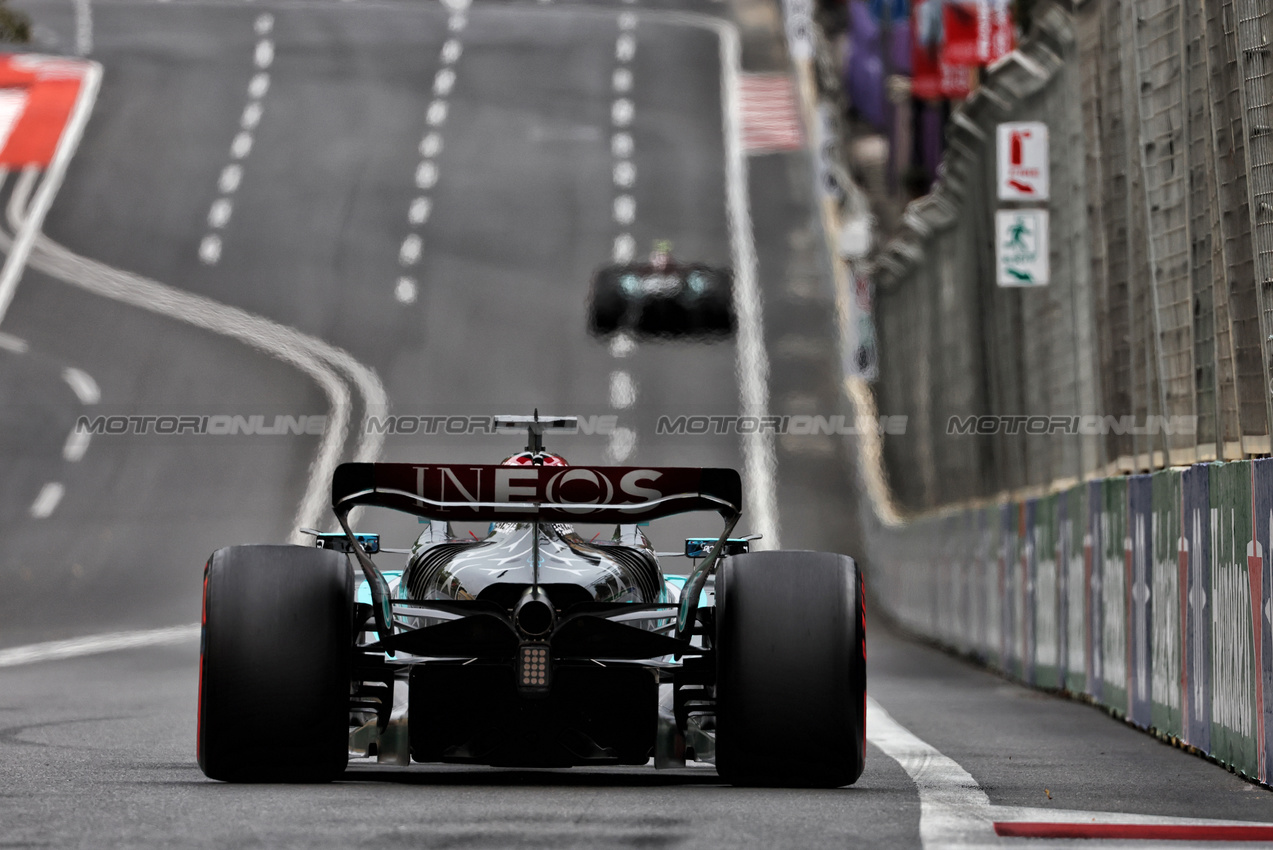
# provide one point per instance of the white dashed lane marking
(451, 51)
(47, 501)
(621, 112)
(624, 174)
(210, 247)
(76, 445)
(220, 213)
(426, 175)
(621, 146)
(431, 145)
(409, 253)
(418, 213)
(82, 384)
(436, 115)
(444, 82)
(9, 342)
(623, 392)
(625, 209)
(405, 290)
(624, 248)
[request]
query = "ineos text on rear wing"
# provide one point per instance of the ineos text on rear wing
(486, 493)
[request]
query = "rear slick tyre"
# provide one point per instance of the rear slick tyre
(274, 664)
(791, 670)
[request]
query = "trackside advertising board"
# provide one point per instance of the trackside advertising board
(1073, 523)
(1046, 587)
(1139, 599)
(1115, 558)
(1262, 526)
(1167, 598)
(1233, 714)
(1196, 516)
(1152, 594)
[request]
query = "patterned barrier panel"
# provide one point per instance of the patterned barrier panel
(1140, 601)
(1072, 518)
(1196, 516)
(1152, 594)
(1092, 569)
(1167, 599)
(1047, 587)
(1233, 684)
(1262, 521)
(1115, 558)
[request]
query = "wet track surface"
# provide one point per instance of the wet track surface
(325, 224)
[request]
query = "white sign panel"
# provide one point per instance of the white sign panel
(1023, 161)
(1021, 247)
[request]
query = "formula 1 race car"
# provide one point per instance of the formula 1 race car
(534, 645)
(662, 297)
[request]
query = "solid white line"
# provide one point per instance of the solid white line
(760, 463)
(76, 445)
(956, 814)
(954, 811)
(96, 644)
(83, 27)
(82, 384)
(24, 237)
(9, 342)
(46, 502)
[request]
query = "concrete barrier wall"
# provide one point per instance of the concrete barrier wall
(1148, 594)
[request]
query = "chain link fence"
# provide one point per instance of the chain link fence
(1149, 347)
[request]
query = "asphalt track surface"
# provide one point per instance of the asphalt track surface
(99, 750)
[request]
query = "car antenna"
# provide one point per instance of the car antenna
(535, 439)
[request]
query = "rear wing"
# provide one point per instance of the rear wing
(485, 493)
